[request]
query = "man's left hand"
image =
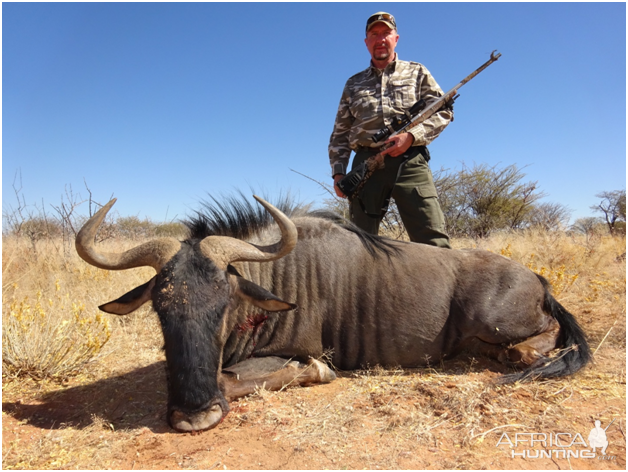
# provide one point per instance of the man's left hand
(401, 143)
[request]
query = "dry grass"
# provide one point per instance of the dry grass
(53, 337)
(51, 324)
(431, 408)
(112, 414)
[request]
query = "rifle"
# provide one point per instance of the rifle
(609, 425)
(353, 182)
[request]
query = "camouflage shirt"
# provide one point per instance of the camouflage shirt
(373, 97)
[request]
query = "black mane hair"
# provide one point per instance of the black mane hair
(239, 217)
(374, 244)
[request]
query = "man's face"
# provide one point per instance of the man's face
(381, 42)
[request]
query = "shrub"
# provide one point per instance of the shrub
(173, 230)
(51, 338)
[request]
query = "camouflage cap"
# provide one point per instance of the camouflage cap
(381, 17)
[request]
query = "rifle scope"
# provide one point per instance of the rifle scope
(399, 122)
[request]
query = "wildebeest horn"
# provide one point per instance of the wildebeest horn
(224, 250)
(154, 253)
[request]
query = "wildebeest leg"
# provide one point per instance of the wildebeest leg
(533, 349)
(477, 346)
(525, 353)
(271, 373)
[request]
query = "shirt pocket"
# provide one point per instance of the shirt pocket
(363, 104)
(403, 92)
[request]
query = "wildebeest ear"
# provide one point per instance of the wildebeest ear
(130, 301)
(262, 298)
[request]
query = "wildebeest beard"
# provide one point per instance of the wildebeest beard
(191, 296)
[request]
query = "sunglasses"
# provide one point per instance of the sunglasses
(381, 17)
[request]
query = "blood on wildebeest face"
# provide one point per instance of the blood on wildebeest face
(191, 293)
(191, 296)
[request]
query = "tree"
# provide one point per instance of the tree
(131, 227)
(587, 226)
(613, 207)
(479, 200)
(549, 216)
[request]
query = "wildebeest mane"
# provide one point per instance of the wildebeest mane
(241, 218)
(237, 217)
(372, 243)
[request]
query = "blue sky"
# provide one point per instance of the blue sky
(161, 104)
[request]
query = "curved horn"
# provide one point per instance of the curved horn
(154, 253)
(223, 250)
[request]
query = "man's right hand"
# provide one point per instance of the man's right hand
(337, 178)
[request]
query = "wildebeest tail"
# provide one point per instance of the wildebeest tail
(574, 352)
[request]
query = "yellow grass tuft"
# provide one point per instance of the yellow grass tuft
(50, 336)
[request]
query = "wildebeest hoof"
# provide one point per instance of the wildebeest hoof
(325, 374)
(503, 358)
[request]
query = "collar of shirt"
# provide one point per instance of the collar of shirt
(390, 66)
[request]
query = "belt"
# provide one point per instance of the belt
(421, 150)
(367, 148)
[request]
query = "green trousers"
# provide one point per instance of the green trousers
(414, 193)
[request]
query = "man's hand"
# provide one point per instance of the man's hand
(400, 144)
(337, 178)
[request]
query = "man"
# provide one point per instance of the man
(369, 102)
(597, 438)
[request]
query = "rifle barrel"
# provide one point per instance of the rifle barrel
(435, 106)
(609, 424)
(493, 58)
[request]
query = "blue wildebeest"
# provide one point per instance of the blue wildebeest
(245, 302)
